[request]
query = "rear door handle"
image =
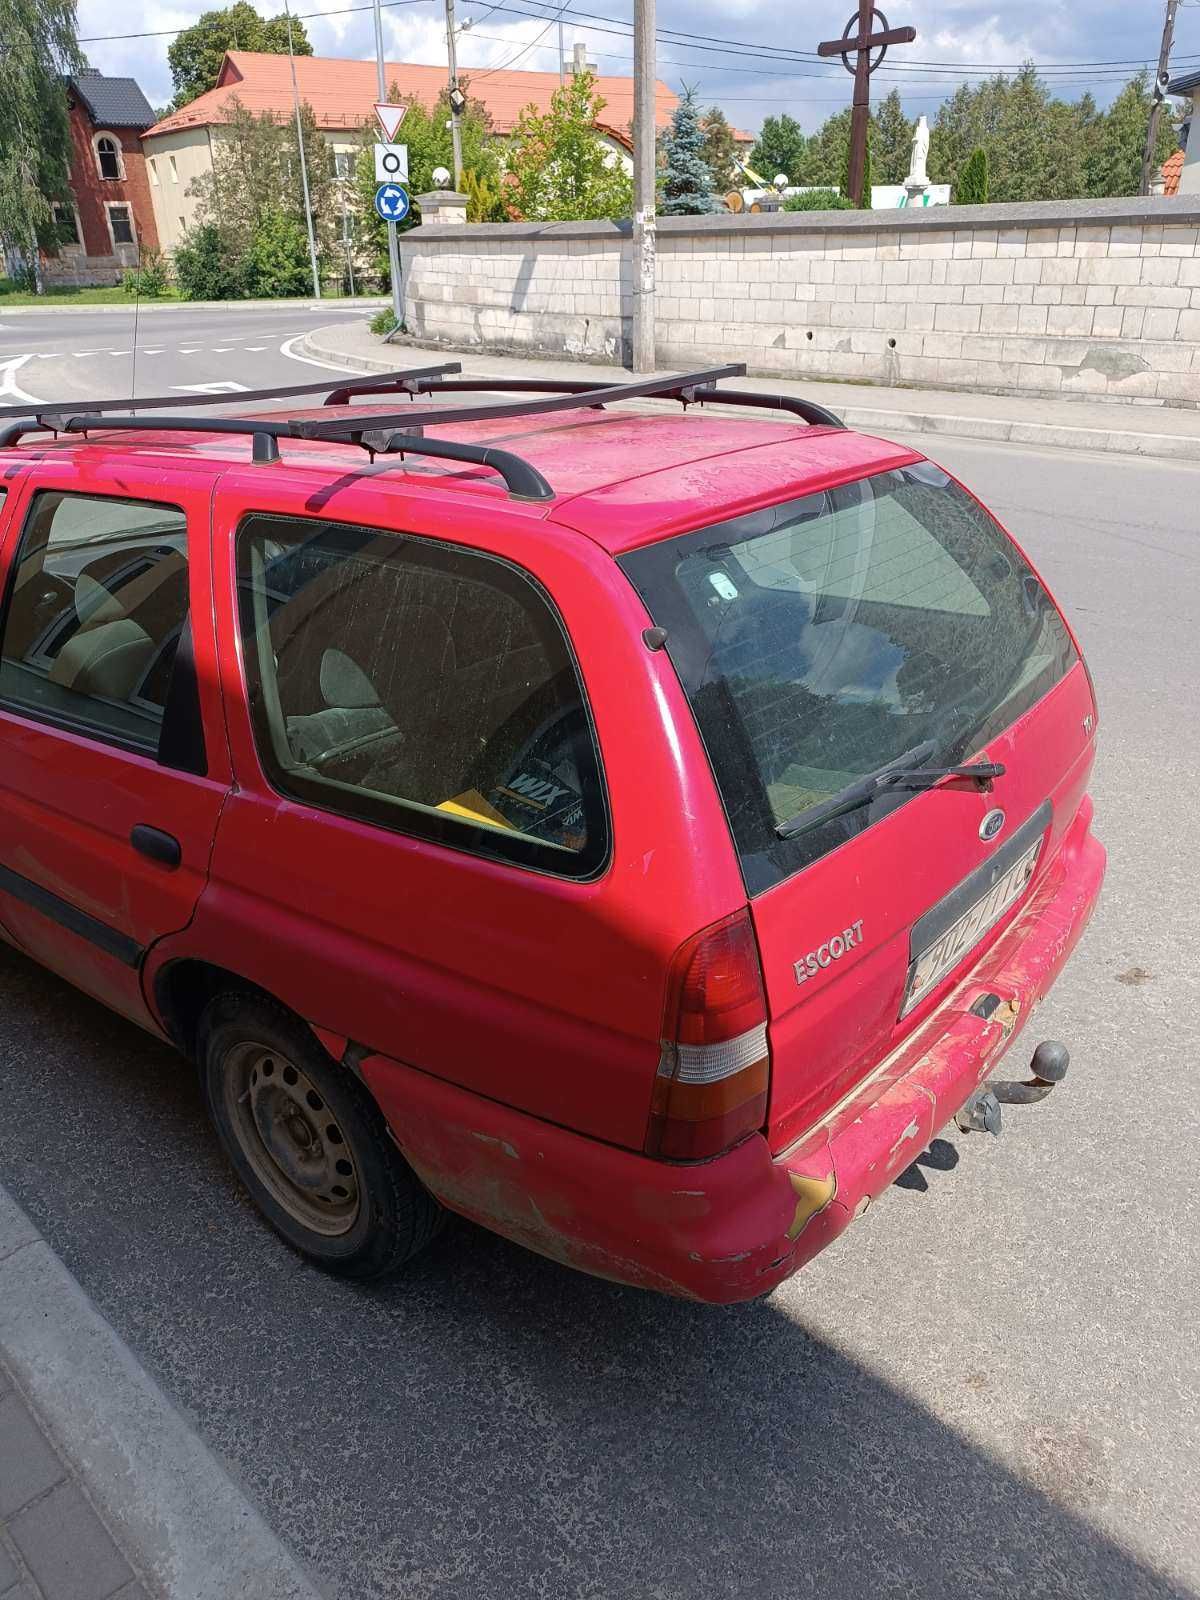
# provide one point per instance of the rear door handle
(157, 845)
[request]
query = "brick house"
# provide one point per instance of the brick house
(111, 213)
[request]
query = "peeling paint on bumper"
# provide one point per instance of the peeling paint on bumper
(733, 1228)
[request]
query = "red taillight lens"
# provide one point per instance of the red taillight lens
(711, 1087)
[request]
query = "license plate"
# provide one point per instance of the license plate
(934, 962)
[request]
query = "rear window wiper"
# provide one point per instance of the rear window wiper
(905, 771)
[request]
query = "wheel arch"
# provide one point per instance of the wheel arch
(183, 988)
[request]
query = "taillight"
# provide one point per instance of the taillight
(711, 1087)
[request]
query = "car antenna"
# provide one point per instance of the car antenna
(137, 300)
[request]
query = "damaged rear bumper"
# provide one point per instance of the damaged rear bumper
(732, 1228)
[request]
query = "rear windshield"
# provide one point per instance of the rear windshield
(820, 639)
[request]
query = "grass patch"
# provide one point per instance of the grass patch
(59, 294)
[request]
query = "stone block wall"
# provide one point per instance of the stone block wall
(1088, 298)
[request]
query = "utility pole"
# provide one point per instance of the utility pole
(455, 97)
(308, 216)
(645, 242)
(562, 66)
(393, 246)
(1160, 85)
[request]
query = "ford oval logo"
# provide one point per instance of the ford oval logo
(991, 825)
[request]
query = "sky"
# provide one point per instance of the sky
(957, 40)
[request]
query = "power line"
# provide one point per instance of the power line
(713, 44)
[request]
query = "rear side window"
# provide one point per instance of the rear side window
(97, 606)
(422, 687)
(820, 639)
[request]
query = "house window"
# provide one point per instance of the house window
(343, 164)
(120, 225)
(66, 220)
(108, 157)
(153, 165)
(174, 169)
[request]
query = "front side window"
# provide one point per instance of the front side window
(421, 687)
(66, 225)
(820, 639)
(96, 607)
(108, 157)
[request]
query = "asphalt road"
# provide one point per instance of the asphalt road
(987, 1388)
(89, 354)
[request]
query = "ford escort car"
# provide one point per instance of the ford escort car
(637, 831)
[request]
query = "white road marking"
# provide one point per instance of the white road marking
(285, 349)
(87, 352)
(118, 352)
(195, 349)
(157, 352)
(211, 388)
(221, 349)
(256, 348)
(9, 387)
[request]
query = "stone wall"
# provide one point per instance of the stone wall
(1088, 298)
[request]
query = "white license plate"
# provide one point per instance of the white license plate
(932, 965)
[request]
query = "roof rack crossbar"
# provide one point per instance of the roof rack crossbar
(386, 382)
(593, 395)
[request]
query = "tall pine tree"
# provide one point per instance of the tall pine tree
(687, 185)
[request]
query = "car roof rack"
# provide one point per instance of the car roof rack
(687, 387)
(385, 383)
(402, 433)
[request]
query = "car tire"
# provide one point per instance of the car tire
(309, 1143)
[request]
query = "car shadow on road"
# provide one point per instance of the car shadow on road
(496, 1424)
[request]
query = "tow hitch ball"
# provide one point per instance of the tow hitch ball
(981, 1113)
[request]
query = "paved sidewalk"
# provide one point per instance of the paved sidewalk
(53, 1544)
(1160, 431)
(106, 1490)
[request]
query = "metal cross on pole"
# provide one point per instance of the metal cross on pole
(860, 42)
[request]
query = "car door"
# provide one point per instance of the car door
(113, 766)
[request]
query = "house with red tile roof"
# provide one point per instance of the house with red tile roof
(1169, 175)
(179, 149)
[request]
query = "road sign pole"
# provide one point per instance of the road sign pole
(308, 216)
(393, 243)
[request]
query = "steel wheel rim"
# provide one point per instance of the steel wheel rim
(292, 1139)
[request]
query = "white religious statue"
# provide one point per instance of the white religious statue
(918, 172)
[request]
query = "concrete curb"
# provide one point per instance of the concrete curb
(887, 420)
(165, 1497)
(145, 307)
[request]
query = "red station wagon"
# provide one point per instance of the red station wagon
(638, 832)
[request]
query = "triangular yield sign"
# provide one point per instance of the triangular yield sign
(390, 118)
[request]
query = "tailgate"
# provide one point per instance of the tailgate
(910, 884)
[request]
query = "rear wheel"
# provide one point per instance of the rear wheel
(309, 1143)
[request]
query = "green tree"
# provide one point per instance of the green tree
(277, 263)
(195, 56)
(720, 150)
(209, 265)
(891, 146)
(255, 182)
(1114, 164)
(972, 188)
(37, 46)
(686, 183)
(824, 160)
(557, 169)
(781, 147)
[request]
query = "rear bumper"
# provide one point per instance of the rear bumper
(732, 1228)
